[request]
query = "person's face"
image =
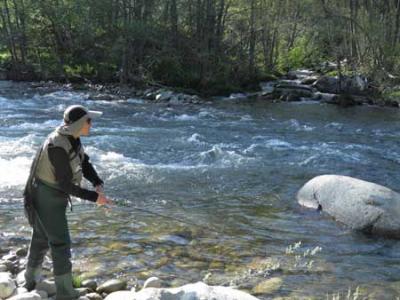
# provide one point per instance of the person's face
(86, 127)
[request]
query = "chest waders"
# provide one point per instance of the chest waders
(50, 226)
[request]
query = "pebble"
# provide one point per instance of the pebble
(48, 286)
(94, 296)
(90, 284)
(83, 291)
(268, 286)
(7, 285)
(41, 293)
(21, 290)
(10, 257)
(112, 285)
(3, 268)
(21, 278)
(26, 296)
(126, 295)
(21, 252)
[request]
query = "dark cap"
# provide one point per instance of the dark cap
(75, 112)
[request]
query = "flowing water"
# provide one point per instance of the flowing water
(229, 170)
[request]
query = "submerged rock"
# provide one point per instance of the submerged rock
(112, 285)
(361, 205)
(268, 286)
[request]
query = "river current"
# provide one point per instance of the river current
(224, 175)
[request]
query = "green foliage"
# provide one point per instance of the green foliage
(198, 46)
(392, 95)
(77, 281)
(4, 56)
(85, 70)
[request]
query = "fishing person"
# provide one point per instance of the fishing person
(56, 174)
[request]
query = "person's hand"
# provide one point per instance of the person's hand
(99, 189)
(103, 200)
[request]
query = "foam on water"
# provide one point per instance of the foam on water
(186, 117)
(196, 139)
(17, 146)
(295, 124)
(219, 157)
(46, 126)
(14, 172)
(66, 96)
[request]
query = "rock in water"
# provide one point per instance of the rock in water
(112, 285)
(361, 205)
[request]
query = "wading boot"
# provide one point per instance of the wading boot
(64, 288)
(32, 276)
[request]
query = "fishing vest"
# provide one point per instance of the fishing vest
(45, 170)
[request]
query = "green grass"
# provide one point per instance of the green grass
(77, 281)
(391, 96)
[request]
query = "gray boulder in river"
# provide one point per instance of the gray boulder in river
(361, 205)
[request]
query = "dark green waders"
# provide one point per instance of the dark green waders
(50, 230)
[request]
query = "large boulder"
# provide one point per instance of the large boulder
(357, 85)
(194, 291)
(292, 91)
(361, 205)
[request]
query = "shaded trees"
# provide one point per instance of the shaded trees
(200, 44)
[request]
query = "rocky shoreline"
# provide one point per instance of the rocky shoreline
(299, 85)
(12, 279)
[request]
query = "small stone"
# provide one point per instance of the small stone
(83, 291)
(94, 296)
(112, 285)
(90, 284)
(21, 252)
(7, 285)
(152, 282)
(3, 268)
(268, 286)
(21, 278)
(26, 296)
(126, 295)
(41, 293)
(48, 286)
(21, 290)
(10, 257)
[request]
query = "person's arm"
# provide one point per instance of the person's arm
(90, 173)
(60, 160)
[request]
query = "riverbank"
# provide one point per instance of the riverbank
(12, 280)
(298, 85)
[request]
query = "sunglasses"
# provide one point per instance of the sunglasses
(89, 121)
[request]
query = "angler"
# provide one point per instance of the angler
(56, 174)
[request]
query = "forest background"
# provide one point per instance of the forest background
(208, 46)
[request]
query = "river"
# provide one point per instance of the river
(225, 175)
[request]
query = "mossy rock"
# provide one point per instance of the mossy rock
(268, 286)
